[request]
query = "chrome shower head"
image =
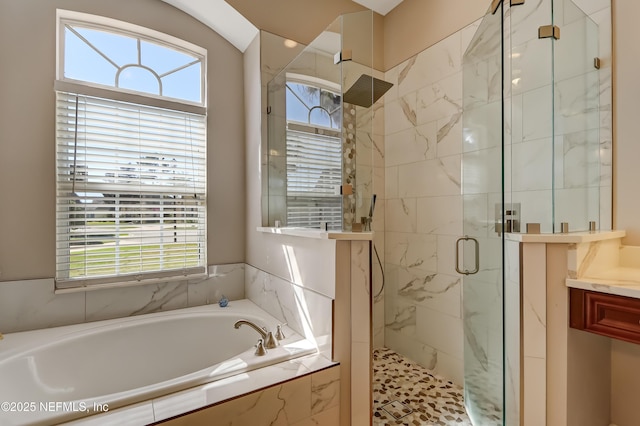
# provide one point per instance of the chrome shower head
(366, 91)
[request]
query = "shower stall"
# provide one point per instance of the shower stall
(495, 130)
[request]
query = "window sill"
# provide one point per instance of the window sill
(318, 234)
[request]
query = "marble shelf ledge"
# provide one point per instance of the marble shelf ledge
(619, 281)
(569, 238)
(318, 234)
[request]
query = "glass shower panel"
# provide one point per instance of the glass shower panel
(482, 189)
(576, 177)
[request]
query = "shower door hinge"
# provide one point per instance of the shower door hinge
(495, 4)
(549, 31)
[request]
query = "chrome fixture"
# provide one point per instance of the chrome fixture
(596, 63)
(592, 226)
(279, 333)
(270, 342)
(260, 349)
(511, 215)
(564, 227)
(476, 267)
(366, 91)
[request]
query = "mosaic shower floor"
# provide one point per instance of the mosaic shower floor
(404, 393)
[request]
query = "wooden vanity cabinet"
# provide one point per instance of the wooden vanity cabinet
(605, 314)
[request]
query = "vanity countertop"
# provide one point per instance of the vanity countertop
(621, 281)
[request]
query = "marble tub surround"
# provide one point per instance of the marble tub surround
(296, 392)
(307, 312)
(33, 304)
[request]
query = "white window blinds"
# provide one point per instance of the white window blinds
(314, 159)
(131, 188)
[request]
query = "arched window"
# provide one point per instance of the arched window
(130, 154)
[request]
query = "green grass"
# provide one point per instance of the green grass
(102, 261)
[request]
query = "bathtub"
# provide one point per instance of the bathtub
(59, 374)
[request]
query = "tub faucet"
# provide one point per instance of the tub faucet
(269, 341)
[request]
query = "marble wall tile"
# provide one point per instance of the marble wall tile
(31, 304)
(482, 127)
(446, 337)
(438, 292)
(430, 178)
(227, 280)
(360, 293)
(449, 135)
(400, 215)
(136, 300)
(308, 313)
(440, 60)
(532, 165)
(400, 114)
(325, 390)
(535, 384)
(442, 99)
(411, 251)
(440, 215)
(536, 113)
(482, 171)
(400, 316)
(411, 145)
(391, 182)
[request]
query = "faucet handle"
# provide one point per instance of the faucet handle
(260, 349)
(279, 333)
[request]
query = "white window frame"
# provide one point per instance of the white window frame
(63, 84)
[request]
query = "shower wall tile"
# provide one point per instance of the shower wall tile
(482, 172)
(532, 165)
(436, 177)
(411, 145)
(400, 114)
(441, 60)
(438, 292)
(449, 135)
(411, 251)
(400, 215)
(536, 114)
(440, 215)
(32, 304)
(483, 127)
(440, 100)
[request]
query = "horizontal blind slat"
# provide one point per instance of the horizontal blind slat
(131, 191)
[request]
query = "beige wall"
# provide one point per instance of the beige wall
(417, 24)
(27, 129)
(625, 357)
(626, 98)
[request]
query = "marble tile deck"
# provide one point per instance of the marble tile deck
(404, 393)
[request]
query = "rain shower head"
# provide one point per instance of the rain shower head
(366, 91)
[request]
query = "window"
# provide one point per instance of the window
(314, 155)
(130, 154)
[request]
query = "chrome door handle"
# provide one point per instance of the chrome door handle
(477, 257)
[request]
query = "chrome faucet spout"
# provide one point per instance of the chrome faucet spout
(267, 336)
(260, 330)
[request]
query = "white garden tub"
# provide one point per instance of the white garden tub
(58, 374)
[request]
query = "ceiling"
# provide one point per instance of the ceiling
(238, 20)
(222, 18)
(381, 6)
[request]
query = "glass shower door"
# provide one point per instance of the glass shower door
(481, 249)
